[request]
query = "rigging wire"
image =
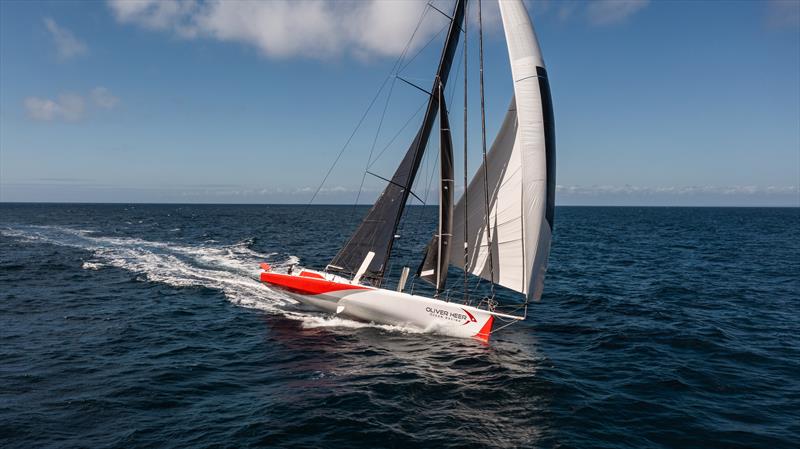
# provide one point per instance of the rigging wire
(397, 69)
(419, 216)
(425, 102)
(407, 211)
(452, 95)
(385, 107)
(421, 49)
(344, 147)
(391, 141)
(466, 209)
(374, 141)
(485, 164)
(366, 112)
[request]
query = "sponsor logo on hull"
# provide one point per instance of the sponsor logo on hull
(444, 314)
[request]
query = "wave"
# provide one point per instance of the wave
(230, 269)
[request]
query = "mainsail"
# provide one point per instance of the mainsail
(520, 170)
(376, 233)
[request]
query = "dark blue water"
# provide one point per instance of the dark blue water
(143, 326)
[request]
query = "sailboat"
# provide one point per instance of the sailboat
(500, 229)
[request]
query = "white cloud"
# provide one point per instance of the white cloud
(284, 28)
(153, 14)
(783, 13)
(67, 107)
(610, 12)
(595, 12)
(325, 29)
(67, 45)
(566, 10)
(628, 189)
(103, 98)
(708, 195)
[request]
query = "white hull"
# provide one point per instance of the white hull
(430, 315)
(375, 305)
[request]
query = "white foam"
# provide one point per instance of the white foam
(231, 269)
(92, 266)
(327, 321)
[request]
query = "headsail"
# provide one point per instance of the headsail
(437, 255)
(520, 172)
(376, 232)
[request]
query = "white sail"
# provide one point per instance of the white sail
(520, 174)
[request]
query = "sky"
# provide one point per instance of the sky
(666, 103)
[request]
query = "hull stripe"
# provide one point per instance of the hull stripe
(306, 285)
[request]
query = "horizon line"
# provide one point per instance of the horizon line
(100, 203)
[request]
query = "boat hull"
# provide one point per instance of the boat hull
(336, 295)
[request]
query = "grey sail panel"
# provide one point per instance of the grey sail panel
(437, 255)
(377, 231)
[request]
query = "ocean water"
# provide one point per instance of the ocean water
(138, 326)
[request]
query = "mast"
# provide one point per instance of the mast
(377, 231)
(437, 255)
(466, 208)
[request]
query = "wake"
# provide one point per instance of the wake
(230, 269)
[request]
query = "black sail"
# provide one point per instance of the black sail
(437, 255)
(376, 232)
